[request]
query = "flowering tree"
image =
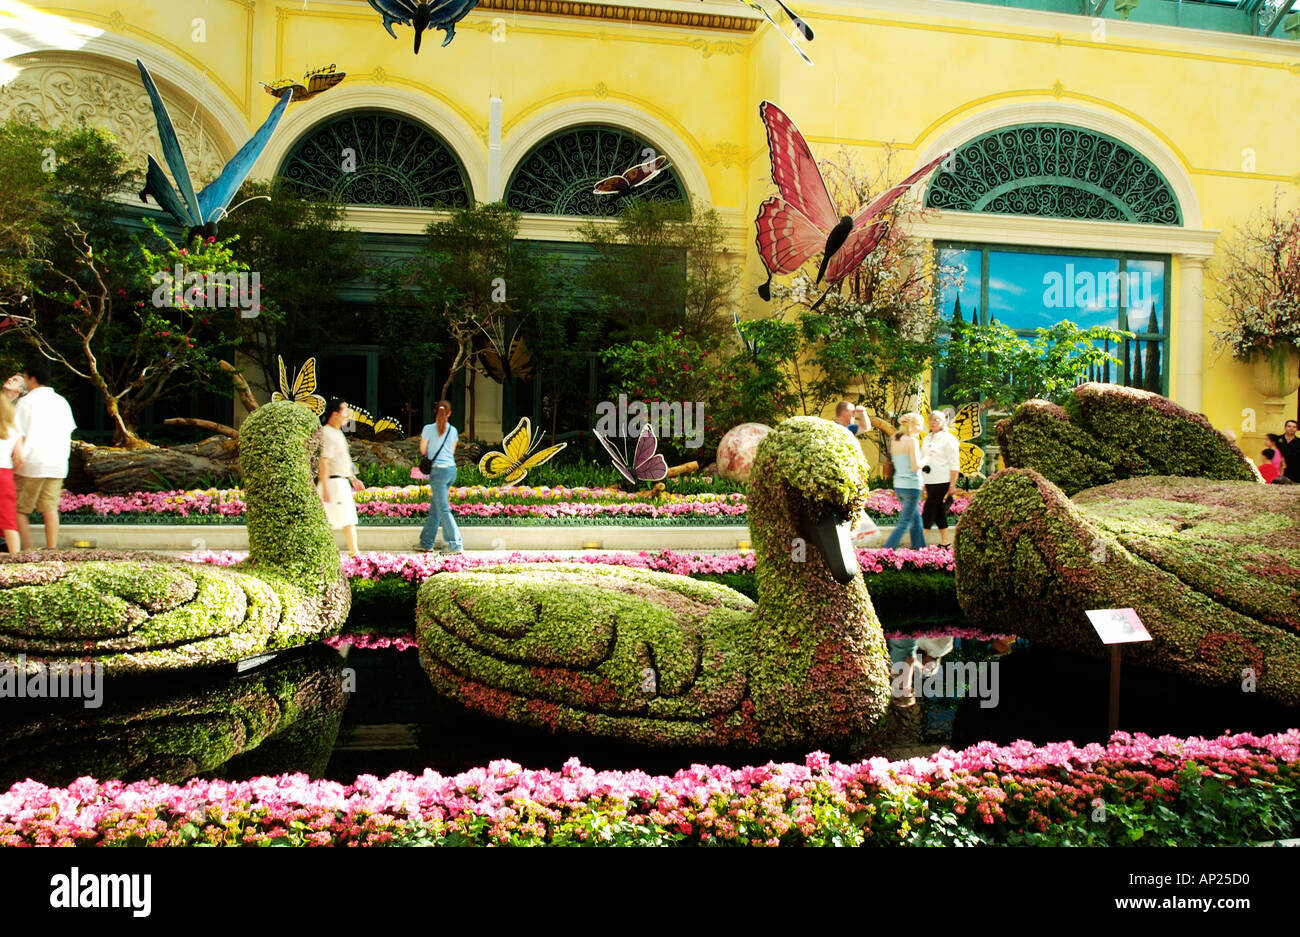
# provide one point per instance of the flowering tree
(1258, 279)
(119, 319)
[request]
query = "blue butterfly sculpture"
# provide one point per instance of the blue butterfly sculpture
(439, 14)
(199, 213)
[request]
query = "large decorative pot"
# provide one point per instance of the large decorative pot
(1276, 373)
(737, 448)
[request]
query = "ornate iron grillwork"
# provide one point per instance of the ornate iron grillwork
(557, 175)
(397, 163)
(1056, 172)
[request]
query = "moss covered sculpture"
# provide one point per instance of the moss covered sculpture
(138, 612)
(660, 659)
(1105, 433)
(1211, 564)
(281, 719)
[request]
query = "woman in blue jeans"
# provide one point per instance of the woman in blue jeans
(438, 442)
(906, 454)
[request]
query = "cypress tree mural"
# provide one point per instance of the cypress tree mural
(950, 377)
(1153, 354)
(1137, 365)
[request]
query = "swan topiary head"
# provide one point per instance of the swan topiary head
(818, 459)
(287, 529)
(808, 485)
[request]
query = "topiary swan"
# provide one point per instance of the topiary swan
(660, 659)
(134, 612)
(1163, 515)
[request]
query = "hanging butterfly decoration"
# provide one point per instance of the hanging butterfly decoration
(518, 457)
(200, 213)
(803, 28)
(646, 466)
(802, 219)
(313, 83)
(440, 14)
(304, 387)
(519, 363)
(638, 175)
(965, 425)
(365, 426)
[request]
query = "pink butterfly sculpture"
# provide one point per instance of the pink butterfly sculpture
(647, 465)
(802, 219)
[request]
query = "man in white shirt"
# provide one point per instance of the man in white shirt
(45, 424)
(940, 465)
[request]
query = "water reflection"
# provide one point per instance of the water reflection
(282, 717)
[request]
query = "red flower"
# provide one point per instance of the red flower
(163, 334)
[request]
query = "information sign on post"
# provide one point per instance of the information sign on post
(1116, 626)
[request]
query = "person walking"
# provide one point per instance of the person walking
(45, 424)
(438, 442)
(940, 464)
(337, 478)
(11, 456)
(905, 453)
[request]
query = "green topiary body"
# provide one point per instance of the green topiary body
(139, 612)
(1212, 568)
(283, 718)
(660, 659)
(1105, 433)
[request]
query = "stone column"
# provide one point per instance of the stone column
(1189, 353)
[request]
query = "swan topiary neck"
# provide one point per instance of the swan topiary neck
(820, 670)
(287, 529)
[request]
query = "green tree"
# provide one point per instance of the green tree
(304, 254)
(661, 268)
(991, 362)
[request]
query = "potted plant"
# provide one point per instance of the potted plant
(1259, 291)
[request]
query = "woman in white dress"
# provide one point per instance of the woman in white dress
(337, 479)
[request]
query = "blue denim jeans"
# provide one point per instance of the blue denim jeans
(440, 479)
(909, 519)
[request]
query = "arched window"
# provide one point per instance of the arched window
(1055, 171)
(558, 174)
(378, 158)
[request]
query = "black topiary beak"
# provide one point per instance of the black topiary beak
(830, 535)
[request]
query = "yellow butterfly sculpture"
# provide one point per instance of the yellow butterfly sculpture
(314, 82)
(965, 425)
(518, 457)
(365, 426)
(304, 387)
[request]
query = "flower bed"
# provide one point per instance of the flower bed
(1135, 790)
(409, 504)
(911, 583)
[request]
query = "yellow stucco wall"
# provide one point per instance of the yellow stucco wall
(886, 71)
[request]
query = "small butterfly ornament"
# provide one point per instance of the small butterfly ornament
(303, 391)
(518, 457)
(803, 28)
(313, 83)
(965, 425)
(637, 176)
(200, 213)
(801, 220)
(646, 465)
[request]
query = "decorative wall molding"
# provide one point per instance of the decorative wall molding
(1064, 233)
(650, 16)
(59, 95)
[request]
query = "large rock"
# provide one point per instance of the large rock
(1106, 432)
(736, 451)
